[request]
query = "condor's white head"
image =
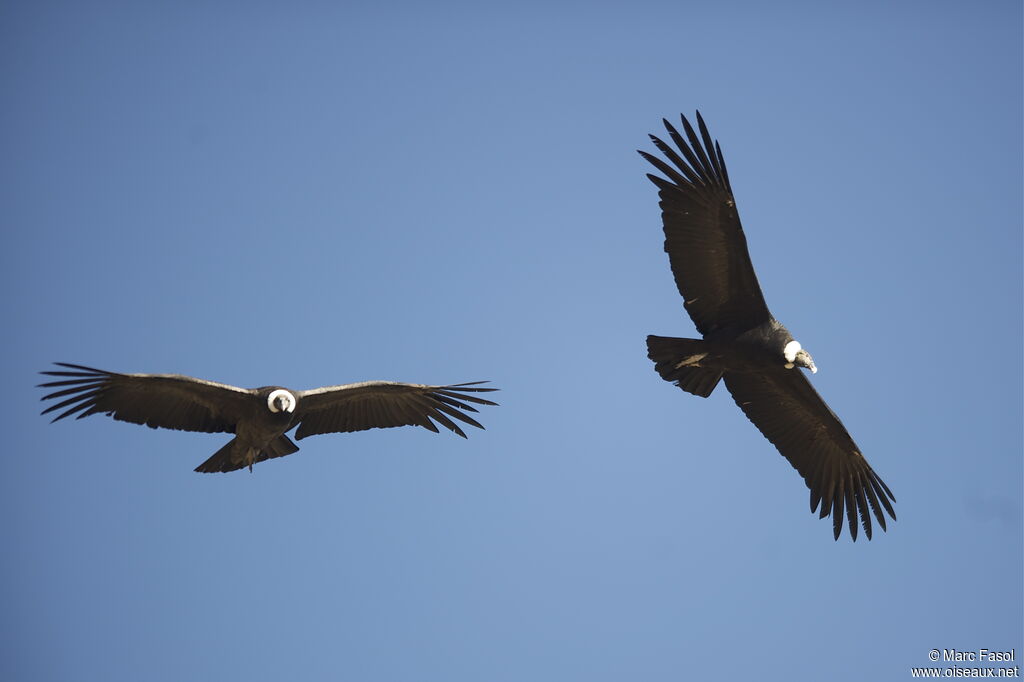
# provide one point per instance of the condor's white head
(796, 356)
(281, 400)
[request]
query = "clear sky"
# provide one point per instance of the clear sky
(446, 192)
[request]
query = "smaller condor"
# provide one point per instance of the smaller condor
(743, 343)
(259, 417)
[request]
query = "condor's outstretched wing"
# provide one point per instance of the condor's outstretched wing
(383, 404)
(169, 401)
(784, 406)
(703, 236)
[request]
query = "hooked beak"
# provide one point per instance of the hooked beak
(804, 359)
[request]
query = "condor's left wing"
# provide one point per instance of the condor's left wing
(784, 406)
(385, 404)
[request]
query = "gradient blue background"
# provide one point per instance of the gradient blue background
(325, 193)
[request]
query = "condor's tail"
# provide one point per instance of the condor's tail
(235, 456)
(679, 361)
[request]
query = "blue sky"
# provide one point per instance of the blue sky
(332, 193)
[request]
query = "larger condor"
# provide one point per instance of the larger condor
(742, 342)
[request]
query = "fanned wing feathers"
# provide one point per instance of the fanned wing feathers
(384, 404)
(169, 401)
(703, 236)
(784, 406)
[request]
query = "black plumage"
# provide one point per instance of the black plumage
(259, 417)
(742, 342)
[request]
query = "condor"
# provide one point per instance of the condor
(742, 342)
(259, 417)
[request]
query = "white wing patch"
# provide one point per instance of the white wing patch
(691, 360)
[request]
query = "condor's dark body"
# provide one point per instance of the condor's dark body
(697, 366)
(259, 435)
(743, 344)
(259, 417)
